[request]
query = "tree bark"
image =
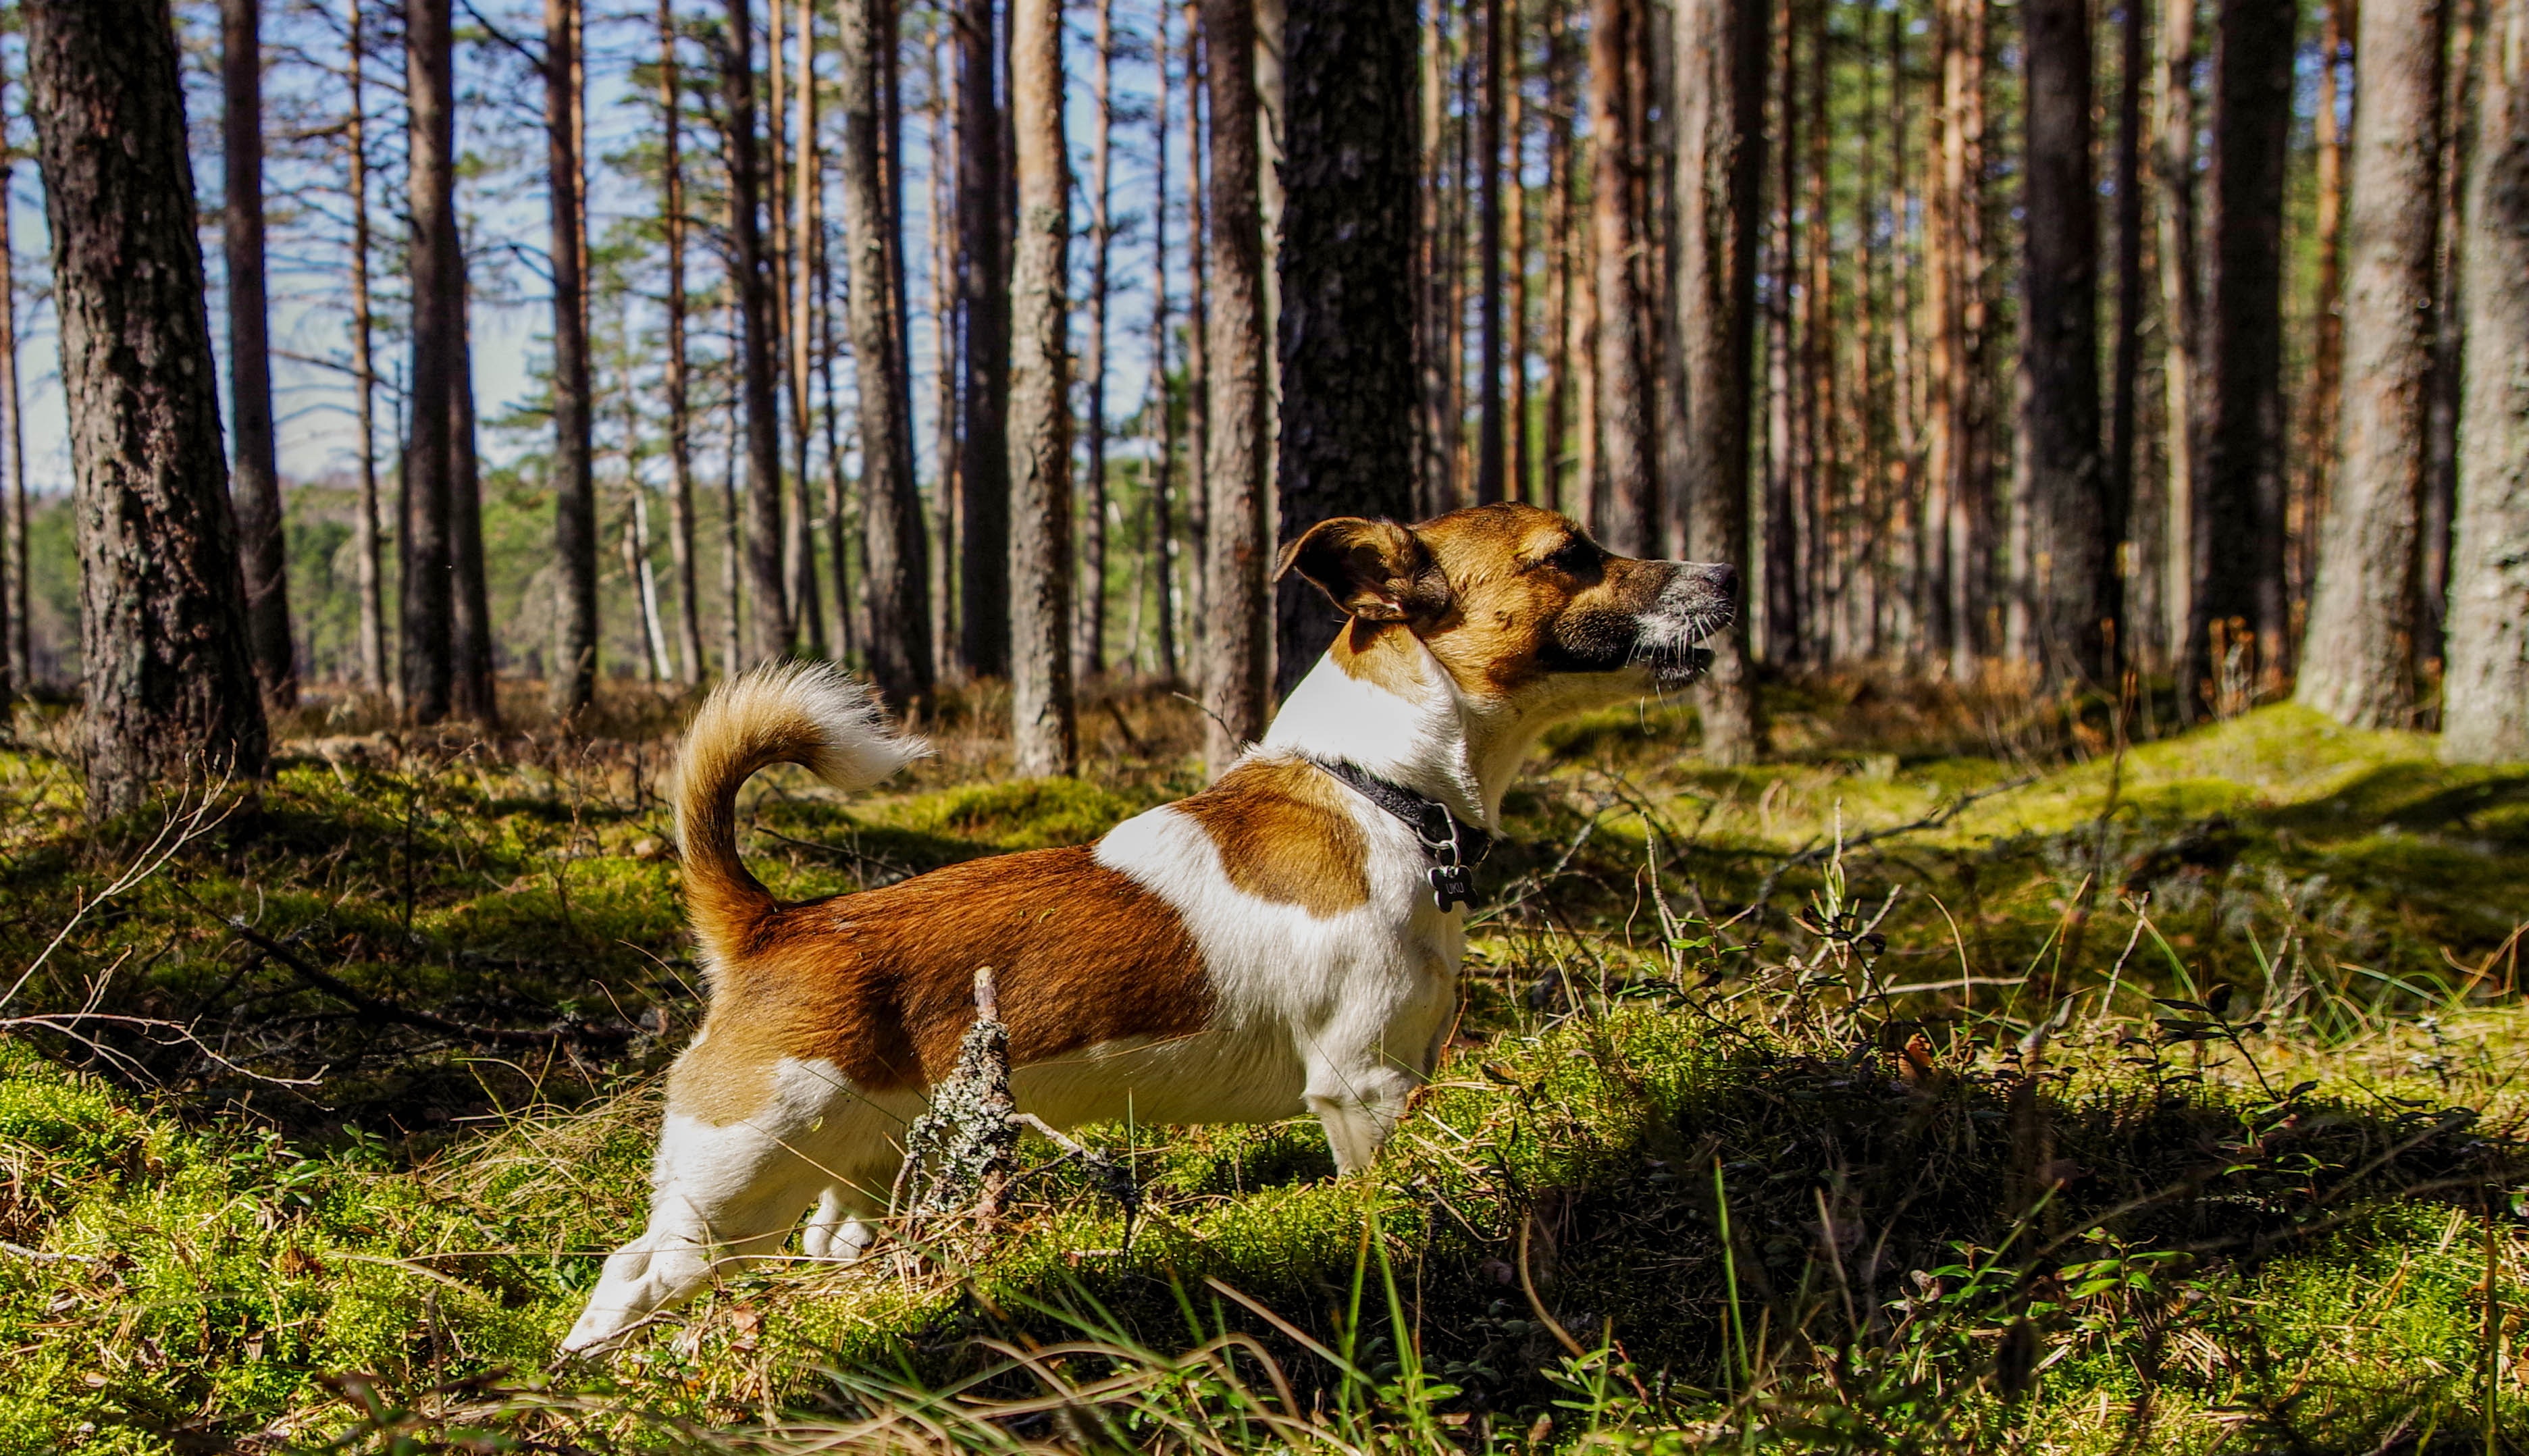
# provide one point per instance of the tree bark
(2314, 464)
(1437, 426)
(797, 279)
(1625, 453)
(16, 672)
(2358, 662)
(1237, 681)
(255, 472)
(2239, 533)
(1518, 452)
(1721, 50)
(897, 581)
(2181, 321)
(573, 672)
(946, 329)
(983, 467)
(768, 605)
(1091, 656)
(2485, 695)
(470, 682)
(1489, 426)
(2136, 630)
(1553, 444)
(2066, 597)
(1198, 354)
(1347, 267)
(680, 453)
(367, 536)
(1160, 412)
(2450, 334)
(169, 683)
(1044, 737)
(426, 586)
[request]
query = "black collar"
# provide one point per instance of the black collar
(1455, 846)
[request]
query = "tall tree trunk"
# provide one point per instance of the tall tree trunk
(426, 664)
(767, 608)
(2238, 518)
(1159, 414)
(470, 684)
(1819, 471)
(2358, 663)
(947, 327)
(369, 574)
(1489, 430)
(1237, 681)
(1091, 653)
(898, 582)
(1721, 49)
(2138, 630)
(1519, 452)
(2066, 598)
(1959, 473)
(255, 472)
(1347, 264)
(732, 655)
(680, 453)
(1044, 735)
(16, 672)
(1436, 428)
(983, 467)
(2314, 464)
(802, 219)
(2450, 334)
(1782, 635)
(1554, 442)
(2182, 328)
(641, 576)
(2485, 702)
(170, 686)
(1624, 455)
(1198, 353)
(574, 481)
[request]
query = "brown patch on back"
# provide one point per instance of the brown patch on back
(1286, 834)
(881, 984)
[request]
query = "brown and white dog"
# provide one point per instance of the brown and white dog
(1269, 946)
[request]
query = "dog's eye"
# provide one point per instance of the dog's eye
(1574, 557)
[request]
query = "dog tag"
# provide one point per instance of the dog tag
(1453, 885)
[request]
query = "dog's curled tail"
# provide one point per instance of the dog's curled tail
(808, 714)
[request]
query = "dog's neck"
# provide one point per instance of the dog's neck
(1425, 733)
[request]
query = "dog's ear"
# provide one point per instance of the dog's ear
(1375, 569)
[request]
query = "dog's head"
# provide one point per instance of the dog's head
(1517, 603)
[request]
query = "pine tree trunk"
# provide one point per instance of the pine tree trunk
(1625, 453)
(946, 329)
(574, 483)
(2314, 451)
(255, 472)
(2238, 507)
(1238, 677)
(897, 582)
(1346, 327)
(798, 300)
(2181, 326)
(2449, 335)
(1554, 442)
(1781, 628)
(426, 663)
(1435, 430)
(2358, 663)
(16, 672)
(2066, 596)
(470, 682)
(1519, 454)
(171, 694)
(767, 608)
(1159, 414)
(1198, 355)
(681, 453)
(2137, 629)
(984, 465)
(1091, 655)
(1043, 736)
(1489, 426)
(2485, 695)
(368, 539)
(1721, 49)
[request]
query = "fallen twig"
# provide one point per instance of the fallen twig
(370, 1008)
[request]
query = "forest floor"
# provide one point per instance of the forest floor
(1962, 1077)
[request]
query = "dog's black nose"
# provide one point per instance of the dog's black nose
(1722, 577)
